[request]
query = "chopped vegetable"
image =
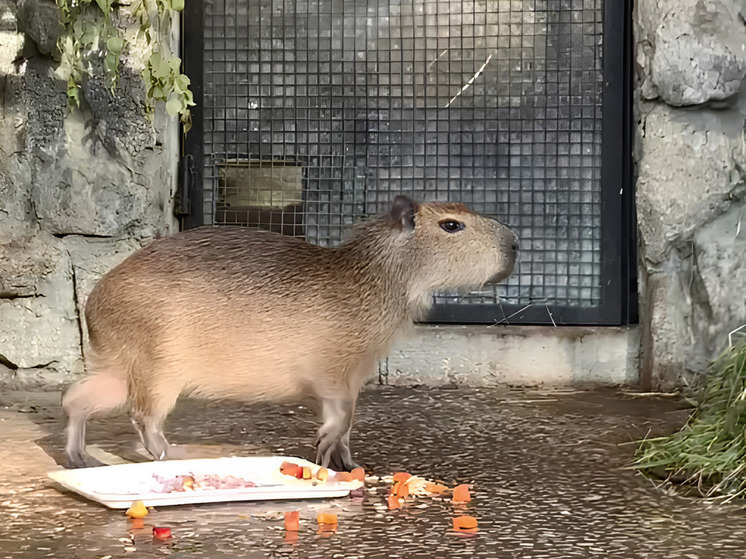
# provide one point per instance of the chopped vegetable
(393, 501)
(400, 489)
(464, 523)
(292, 521)
(436, 488)
(306, 472)
(291, 469)
(343, 476)
(461, 493)
(137, 510)
(358, 474)
(401, 476)
(161, 532)
(326, 518)
(322, 474)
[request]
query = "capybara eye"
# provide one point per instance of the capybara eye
(451, 225)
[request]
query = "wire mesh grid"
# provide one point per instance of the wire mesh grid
(318, 112)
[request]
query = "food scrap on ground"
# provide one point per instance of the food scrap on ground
(465, 523)
(326, 518)
(137, 510)
(161, 532)
(292, 521)
(461, 494)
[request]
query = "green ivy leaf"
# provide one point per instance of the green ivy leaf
(115, 45)
(177, 5)
(173, 107)
(105, 6)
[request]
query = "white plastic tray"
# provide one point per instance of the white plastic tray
(118, 486)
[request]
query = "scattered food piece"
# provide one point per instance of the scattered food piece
(461, 493)
(358, 474)
(464, 523)
(401, 476)
(292, 521)
(435, 488)
(137, 510)
(292, 469)
(343, 476)
(136, 523)
(161, 532)
(401, 489)
(306, 472)
(393, 501)
(291, 537)
(326, 518)
(322, 474)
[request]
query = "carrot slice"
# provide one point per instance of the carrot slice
(393, 501)
(292, 469)
(402, 490)
(358, 474)
(461, 493)
(292, 521)
(402, 476)
(464, 523)
(326, 518)
(436, 488)
(343, 476)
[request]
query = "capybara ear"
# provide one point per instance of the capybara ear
(402, 212)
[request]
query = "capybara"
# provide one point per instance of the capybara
(250, 315)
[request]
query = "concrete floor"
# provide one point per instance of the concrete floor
(550, 480)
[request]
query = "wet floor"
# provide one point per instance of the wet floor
(549, 472)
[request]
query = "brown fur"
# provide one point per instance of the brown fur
(252, 315)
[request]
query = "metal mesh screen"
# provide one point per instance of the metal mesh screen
(318, 112)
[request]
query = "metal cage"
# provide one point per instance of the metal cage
(314, 113)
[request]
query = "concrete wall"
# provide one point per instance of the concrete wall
(78, 192)
(514, 355)
(690, 104)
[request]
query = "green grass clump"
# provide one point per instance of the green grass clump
(709, 452)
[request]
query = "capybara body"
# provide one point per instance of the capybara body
(236, 313)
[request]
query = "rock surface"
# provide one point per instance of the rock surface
(691, 184)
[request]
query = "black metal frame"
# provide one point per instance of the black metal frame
(618, 239)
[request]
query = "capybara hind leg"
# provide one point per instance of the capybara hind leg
(333, 448)
(91, 396)
(151, 434)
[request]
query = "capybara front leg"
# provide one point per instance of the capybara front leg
(333, 448)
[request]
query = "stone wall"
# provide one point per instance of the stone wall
(690, 102)
(79, 191)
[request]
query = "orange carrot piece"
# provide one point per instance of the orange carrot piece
(393, 501)
(402, 476)
(461, 493)
(358, 474)
(436, 488)
(292, 521)
(291, 469)
(343, 476)
(464, 523)
(326, 518)
(402, 490)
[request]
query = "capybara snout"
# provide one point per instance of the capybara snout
(229, 312)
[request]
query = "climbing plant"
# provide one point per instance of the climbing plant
(99, 33)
